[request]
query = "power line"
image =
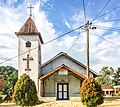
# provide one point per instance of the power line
(107, 28)
(106, 39)
(84, 10)
(107, 12)
(101, 10)
(107, 21)
(73, 43)
(42, 45)
(97, 50)
(64, 34)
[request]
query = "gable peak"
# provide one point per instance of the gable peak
(28, 27)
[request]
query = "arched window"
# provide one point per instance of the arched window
(28, 44)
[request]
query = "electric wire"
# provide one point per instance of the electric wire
(106, 12)
(107, 28)
(113, 20)
(101, 10)
(73, 43)
(106, 39)
(84, 10)
(42, 44)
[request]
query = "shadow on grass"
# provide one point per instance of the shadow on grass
(40, 102)
(111, 98)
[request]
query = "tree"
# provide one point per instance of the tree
(1, 87)
(116, 77)
(10, 76)
(106, 76)
(25, 93)
(91, 93)
(1, 84)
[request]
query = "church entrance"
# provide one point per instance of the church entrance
(62, 91)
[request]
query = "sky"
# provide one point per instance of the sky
(56, 17)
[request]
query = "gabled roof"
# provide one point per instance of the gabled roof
(106, 87)
(29, 28)
(69, 57)
(58, 68)
(118, 86)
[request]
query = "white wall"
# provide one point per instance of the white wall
(35, 54)
(63, 60)
(50, 88)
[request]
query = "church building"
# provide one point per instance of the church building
(60, 77)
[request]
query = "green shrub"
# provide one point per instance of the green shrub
(25, 93)
(0, 99)
(117, 94)
(91, 93)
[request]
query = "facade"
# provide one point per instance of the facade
(29, 51)
(117, 89)
(108, 91)
(60, 77)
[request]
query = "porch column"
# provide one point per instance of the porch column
(41, 88)
(115, 90)
(105, 93)
(109, 92)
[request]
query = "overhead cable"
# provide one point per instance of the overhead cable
(106, 13)
(84, 10)
(106, 40)
(73, 43)
(101, 10)
(112, 20)
(43, 44)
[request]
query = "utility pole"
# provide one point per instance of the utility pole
(87, 47)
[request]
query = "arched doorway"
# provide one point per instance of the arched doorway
(62, 91)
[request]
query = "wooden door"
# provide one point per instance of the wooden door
(62, 91)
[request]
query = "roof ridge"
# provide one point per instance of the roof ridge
(29, 28)
(66, 55)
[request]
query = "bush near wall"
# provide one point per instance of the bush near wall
(117, 94)
(91, 93)
(0, 99)
(25, 93)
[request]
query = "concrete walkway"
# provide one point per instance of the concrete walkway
(8, 105)
(49, 104)
(61, 104)
(68, 103)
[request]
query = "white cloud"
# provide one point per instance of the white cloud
(66, 23)
(101, 52)
(12, 19)
(77, 19)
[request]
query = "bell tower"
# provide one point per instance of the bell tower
(29, 51)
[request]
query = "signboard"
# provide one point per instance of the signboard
(63, 71)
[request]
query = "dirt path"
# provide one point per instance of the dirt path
(110, 103)
(113, 103)
(61, 104)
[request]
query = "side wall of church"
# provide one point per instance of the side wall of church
(63, 60)
(35, 54)
(50, 85)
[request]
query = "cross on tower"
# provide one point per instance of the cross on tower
(28, 59)
(30, 9)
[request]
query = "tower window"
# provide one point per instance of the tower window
(28, 44)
